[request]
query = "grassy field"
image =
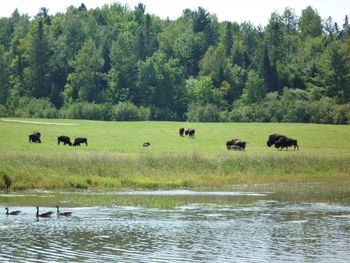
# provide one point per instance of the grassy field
(116, 159)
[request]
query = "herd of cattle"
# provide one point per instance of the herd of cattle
(35, 137)
(280, 141)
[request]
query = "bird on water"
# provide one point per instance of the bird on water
(62, 213)
(45, 214)
(12, 213)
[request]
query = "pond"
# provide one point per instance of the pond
(197, 227)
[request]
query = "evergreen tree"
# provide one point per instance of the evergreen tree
(39, 62)
(269, 73)
(310, 23)
(4, 76)
(228, 41)
(85, 82)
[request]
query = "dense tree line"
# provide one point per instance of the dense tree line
(118, 63)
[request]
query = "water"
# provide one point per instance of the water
(261, 230)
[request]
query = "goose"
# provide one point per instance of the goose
(13, 213)
(45, 214)
(62, 213)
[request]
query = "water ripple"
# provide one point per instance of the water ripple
(266, 232)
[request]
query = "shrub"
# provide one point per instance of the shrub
(296, 112)
(203, 113)
(127, 111)
(3, 111)
(341, 114)
(35, 108)
(242, 113)
(321, 111)
(84, 110)
(163, 114)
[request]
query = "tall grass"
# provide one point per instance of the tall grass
(116, 159)
(101, 169)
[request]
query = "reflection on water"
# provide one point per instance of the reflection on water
(264, 231)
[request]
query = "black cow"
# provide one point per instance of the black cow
(64, 139)
(35, 137)
(190, 132)
(80, 140)
(181, 131)
(236, 144)
(286, 142)
(273, 138)
(146, 144)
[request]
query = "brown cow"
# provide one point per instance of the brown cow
(286, 142)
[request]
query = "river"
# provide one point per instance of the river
(262, 229)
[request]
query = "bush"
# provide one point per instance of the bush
(163, 114)
(3, 111)
(127, 111)
(341, 114)
(321, 111)
(203, 113)
(88, 111)
(35, 108)
(296, 112)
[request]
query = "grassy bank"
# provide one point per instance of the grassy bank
(116, 159)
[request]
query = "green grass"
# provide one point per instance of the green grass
(116, 159)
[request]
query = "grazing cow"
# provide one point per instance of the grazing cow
(64, 139)
(190, 132)
(35, 137)
(146, 144)
(80, 140)
(234, 147)
(286, 142)
(236, 144)
(273, 138)
(181, 131)
(230, 143)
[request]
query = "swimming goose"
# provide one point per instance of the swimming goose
(13, 213)
(45, 214)
(62, 213)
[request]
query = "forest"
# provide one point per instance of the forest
(123, 64)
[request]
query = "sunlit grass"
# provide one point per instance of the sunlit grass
(116, 159)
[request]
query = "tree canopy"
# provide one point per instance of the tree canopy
(85, 62)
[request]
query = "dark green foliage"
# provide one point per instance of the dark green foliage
(88, 111)
(36, 108)
(127, 111)
(204, 113)
(310, 23)
(269, 73)
(115, 63)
